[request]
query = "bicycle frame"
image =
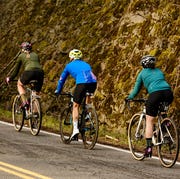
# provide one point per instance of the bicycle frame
(33, 113)
(142, 117)
(32, 95)
(165, 135)
(88, 128)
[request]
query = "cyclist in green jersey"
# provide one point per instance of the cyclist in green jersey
(159, 91)
(32, 71)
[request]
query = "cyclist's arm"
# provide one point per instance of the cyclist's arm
(137, 87)
(62, 80)
(16, 69)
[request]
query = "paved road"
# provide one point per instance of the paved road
(45, 156)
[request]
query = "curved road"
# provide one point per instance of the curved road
(46, 157)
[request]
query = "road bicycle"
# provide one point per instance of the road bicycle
(88, 123)
(165, 135)
(33, 114)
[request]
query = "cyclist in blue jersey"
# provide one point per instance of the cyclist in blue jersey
(85, 81)
(159, 91)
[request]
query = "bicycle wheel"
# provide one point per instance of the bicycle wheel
(136, 139)
(18, 114)
(168, 151)
(90, 130)
(66, 125)
(35, 120)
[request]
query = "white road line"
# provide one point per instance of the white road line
(101, 145)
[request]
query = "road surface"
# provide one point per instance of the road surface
(45, 156)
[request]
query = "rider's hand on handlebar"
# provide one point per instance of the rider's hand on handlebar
(7, 80)
(56, 92)
(127, 99)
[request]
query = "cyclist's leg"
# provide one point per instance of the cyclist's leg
(79, 93)
(75, 115)
(90, 87)
(151, 112)
(39, 76)
(25, 77)
(22, 92)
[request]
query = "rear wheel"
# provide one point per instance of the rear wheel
(136, 139)
(168, 151)
(18, 113)
(66, 125)
(36, 117)
(90, 130)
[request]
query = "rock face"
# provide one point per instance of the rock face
(113, 35)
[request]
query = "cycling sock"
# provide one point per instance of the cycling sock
(149, 142)
(75, 124)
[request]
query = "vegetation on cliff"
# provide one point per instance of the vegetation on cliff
(113, 36)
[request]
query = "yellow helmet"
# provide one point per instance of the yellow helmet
(75, 54)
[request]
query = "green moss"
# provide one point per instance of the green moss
(110, 38)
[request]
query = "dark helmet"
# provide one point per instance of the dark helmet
(26, 46)
(148, 61)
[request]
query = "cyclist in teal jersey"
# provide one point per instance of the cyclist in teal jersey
(32, 71)
(85, 82)
(159, 91)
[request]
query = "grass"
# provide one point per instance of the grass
(51, 123)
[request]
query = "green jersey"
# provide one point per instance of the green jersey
(28, 64)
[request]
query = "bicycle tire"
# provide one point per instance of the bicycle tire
(169, 150)
(18, 114)
(90, 131)
(136, 143)
(35, 120)
(66, 125)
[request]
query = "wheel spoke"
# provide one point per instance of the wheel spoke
(136, 137)
(169, 149)
(36, 117)
(18, 113)
(90, 130)
(66, 125)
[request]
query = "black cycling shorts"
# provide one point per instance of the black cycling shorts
(154, 100)
(81, 89)
(27, 76)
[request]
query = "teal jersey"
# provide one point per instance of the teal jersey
(152, 79)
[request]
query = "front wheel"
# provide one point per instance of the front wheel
(136, 138)
(36, 117)
(66, 125)
(90, 131)
(169, 149)
(18, 113)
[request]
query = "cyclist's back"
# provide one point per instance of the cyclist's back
(30, 64)
(80, 71)
(154, 80)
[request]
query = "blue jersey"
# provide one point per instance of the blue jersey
(79, 70)
(152, 79)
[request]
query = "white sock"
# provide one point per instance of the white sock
(75, 124)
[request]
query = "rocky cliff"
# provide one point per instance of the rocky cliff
(112, 34)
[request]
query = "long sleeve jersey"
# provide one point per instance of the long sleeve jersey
(79, 70)
(152, 79)
(28, 64)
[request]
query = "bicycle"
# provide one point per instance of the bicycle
(88, 123)
(165, 135)
(33, 114)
